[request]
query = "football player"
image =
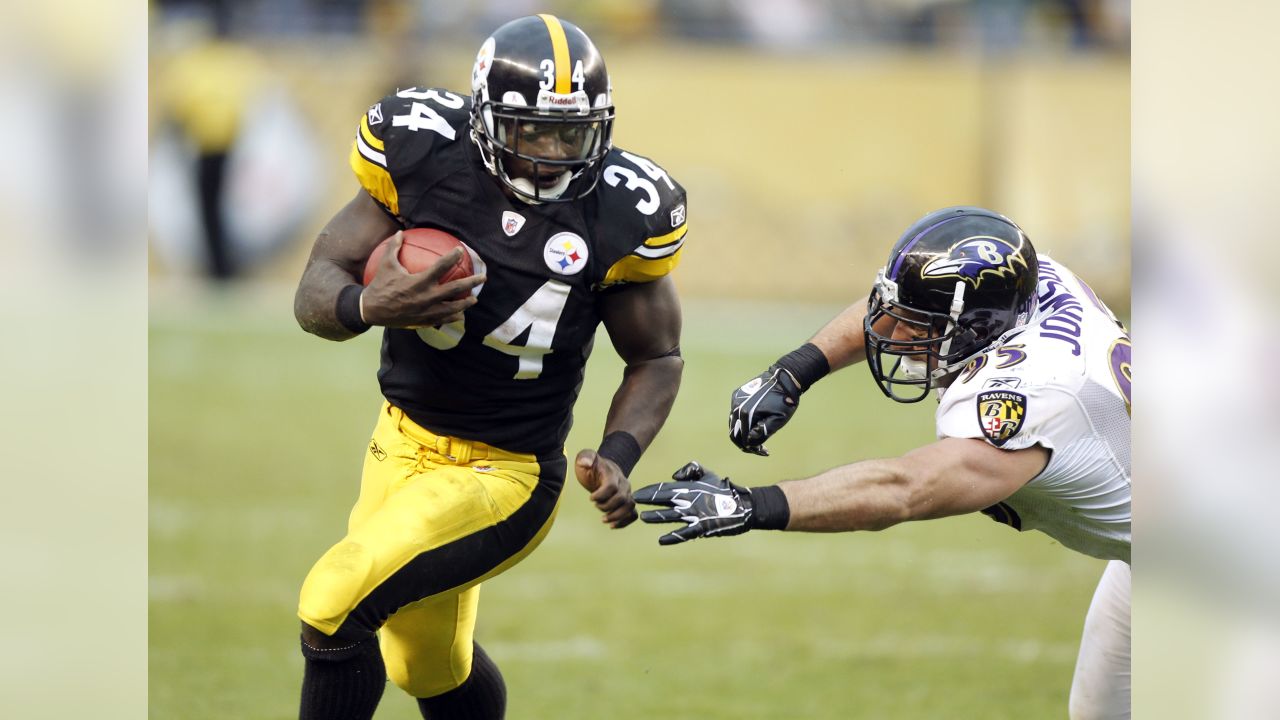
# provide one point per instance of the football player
(464, 470)
(1033, 375)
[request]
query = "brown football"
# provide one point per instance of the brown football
(421, 248)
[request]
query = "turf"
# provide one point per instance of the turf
(257, 433)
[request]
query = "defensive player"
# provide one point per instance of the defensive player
(465, 467)
(1033, 376)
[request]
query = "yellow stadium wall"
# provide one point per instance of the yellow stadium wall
(802, 170)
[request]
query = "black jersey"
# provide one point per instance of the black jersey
(509, 372)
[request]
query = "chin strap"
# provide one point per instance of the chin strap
(486, 155)
(957, 307)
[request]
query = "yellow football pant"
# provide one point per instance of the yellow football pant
(436, 517)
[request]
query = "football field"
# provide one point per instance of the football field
(257, 433)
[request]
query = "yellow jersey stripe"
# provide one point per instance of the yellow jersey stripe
(375, 179)
(374, 156)
(663, 246)
(669, 238)
(560, 49)
(368, 135)
(636, 269)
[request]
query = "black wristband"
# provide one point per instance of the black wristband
(622, 448)
(771, 511)
(807, 364)
(348, 309)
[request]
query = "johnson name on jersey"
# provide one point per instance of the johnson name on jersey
(508, 373)
(1063, 381)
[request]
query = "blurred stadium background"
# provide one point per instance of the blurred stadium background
(808, 133)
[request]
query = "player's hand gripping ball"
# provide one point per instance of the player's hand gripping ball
(421, 248)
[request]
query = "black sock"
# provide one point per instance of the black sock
(344, 683)
(482, 696)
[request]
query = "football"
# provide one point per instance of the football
(420, 250)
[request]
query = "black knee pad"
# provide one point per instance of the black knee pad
(342, 682)
(341, 652)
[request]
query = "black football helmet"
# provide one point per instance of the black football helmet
(958, 279)
(542, 109)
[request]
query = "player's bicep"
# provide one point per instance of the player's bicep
(955, 476)
(352, 234)
(643, 319)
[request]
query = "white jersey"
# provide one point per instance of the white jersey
(1063, 382)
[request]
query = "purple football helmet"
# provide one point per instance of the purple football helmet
(959, 278)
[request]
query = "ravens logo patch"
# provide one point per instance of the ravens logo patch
(1000, 413)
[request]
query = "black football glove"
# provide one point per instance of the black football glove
(709, 505)
(761, 407)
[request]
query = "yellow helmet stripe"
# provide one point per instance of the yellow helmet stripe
(560, 48)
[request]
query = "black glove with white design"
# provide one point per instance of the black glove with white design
(765, 403)
(711, 506)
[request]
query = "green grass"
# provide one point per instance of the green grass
(257, 433)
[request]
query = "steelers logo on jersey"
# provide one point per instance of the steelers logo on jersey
(1000, 413)
(565, 253)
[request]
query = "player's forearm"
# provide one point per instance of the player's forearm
(644, 398)
(315, 305)
(869, 495)
(841, 340)
(340, 252)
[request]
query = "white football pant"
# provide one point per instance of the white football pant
(1101, 687)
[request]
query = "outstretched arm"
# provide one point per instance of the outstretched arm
(953, 476)
(643, 322)
(331, 302)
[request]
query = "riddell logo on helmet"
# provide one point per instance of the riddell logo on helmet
(548, 100)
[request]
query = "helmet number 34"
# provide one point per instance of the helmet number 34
(548, 68)
(615, 175)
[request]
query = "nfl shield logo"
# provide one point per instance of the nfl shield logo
(1001, 413)
(511, 222)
